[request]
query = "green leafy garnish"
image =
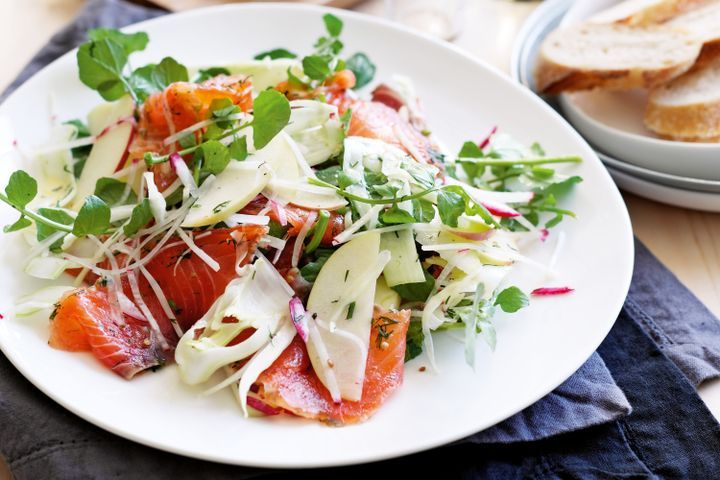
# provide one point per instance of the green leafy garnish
(275, 53)
(511, 300)
(310, 271)
(112, 191)
(363, 69)
(414, 341)
(208, 73)
(155, 78)
(45, 229)
(130, 42)
(140, 217)
(450, 206)
(416, 292)
(93, 217)
(271, 112)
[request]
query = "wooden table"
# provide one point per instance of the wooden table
(688, 242)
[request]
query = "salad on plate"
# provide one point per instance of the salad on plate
(274, 227)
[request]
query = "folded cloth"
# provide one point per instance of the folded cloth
(584, 422)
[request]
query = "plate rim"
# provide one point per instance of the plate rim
(429, 443)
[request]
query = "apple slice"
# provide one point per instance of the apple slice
(110, 148)
(230, 191)
(341, 302)
(267, 73)
(289, 180)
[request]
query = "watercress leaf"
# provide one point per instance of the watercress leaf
(130, 42)
(215, 157)
(271, 112)
(156, 77)
(414, 341)
(19, 225)
(423, 210)
(21, 188)
(111, 191)
(542, 173)
(470, 150)
(416, 292)
(187, 141)
(330, 175)
(44, 230)
(317, 67)
(93, 217)
(238, 149)
(208, 73)
(333, 24)
(310, 271)
(140, 216)
(450, 206)
(345, 180)
(294, 81)
(363, 69)
(560, 188)
(396, 215)
(100, 66)
(537, 149)
(275, 54)
(511, 300)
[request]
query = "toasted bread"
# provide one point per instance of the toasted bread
(646, 12)
(613, 57)
(687, 108)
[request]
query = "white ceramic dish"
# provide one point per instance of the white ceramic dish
(613, 121)
(537, 349)
(694, 200)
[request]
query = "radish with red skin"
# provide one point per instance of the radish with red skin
(548, 291)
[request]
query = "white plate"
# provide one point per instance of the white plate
(613, 121)
(537, 349)
(694, 200)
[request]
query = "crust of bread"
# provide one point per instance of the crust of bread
(552, 79)
(694, 121)
(658, 12)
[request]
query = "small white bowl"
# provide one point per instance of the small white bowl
(613, 121)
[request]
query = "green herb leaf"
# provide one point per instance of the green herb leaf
(396, 215)
(156, 77)
(423, 210)
(416, 292)
(470, 150)
(317, 67)
(271, 113)
(511, 300)
(238, 149)
(93, 217)
(215, 156)
(21, 188)
(19, 225)
(310, 271)
(414, 341)
(350, 311)
(363, 69)
(208, 73)
(111, 191)
(450, 206)
(275, 53)
(140, 217)
(130, 42)
(330, 174)
(44, 230)
(100, 65)
(333, 24)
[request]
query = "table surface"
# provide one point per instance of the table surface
(687, 241)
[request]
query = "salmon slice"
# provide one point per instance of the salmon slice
(87, 320)
(189, 284)
(292, 385)
(181, 105)
(377, 120)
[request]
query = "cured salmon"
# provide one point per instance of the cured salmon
(89, 319)
(292, 385)
(377, 120)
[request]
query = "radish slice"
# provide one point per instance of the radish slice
(279, 211)
(299, 318)
(547, 291)
(300, 240)
(261, 406)
(500, 209)
(183, 173)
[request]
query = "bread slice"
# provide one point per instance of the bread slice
(613, 57)
(646, 12)
(705, 24)
(687, 108)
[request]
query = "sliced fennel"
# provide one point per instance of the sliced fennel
(57, 185)
(256, 301)
(266, 73)
(317, 129)
(43, 299)
(385, 296)
(404, 265)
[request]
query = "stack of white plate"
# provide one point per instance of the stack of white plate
(678, 173)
